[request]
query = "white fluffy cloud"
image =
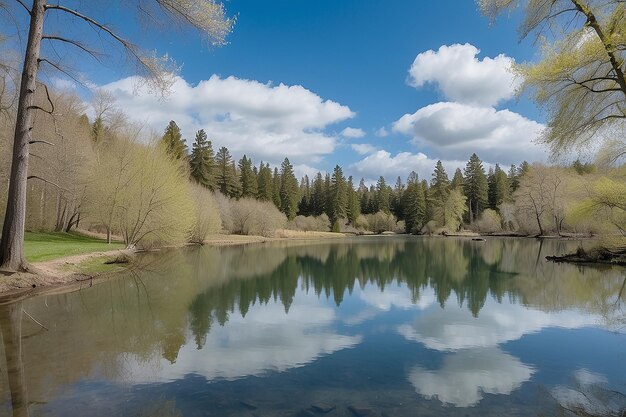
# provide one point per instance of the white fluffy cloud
(382, 132)
(457, 130)
(264, 121)
(351, 132)
(468, 120)
(383, 163)
(465, 376)
(462, 77)
(363, 148)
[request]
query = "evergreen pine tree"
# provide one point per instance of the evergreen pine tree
(276, 188)
(225, 178)
(338, 196)
(457, 181)
(354, 205)
(499, 187)
(439, 190)
(318, 199)
(396, 199)
(414, 206)
(476, 189)
(174, 142)
(237, 183)
(382, 196)
(304, 206)
(201, 161)
(364, 197)
(288, 190)
(327, 196)
(429, 210)
(247, 178)
(265, 189)
(513, 179)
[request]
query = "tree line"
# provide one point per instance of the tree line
(485, 198)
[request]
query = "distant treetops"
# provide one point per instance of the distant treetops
(417, 202)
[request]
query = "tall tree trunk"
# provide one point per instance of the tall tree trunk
(12, 243)
(11, 325)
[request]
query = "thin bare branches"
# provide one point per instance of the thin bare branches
(127, 45)
(36, 177)
(73, 42)
(25, 7)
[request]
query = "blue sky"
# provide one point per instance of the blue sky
(343, 64)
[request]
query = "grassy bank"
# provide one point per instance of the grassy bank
(40, 247)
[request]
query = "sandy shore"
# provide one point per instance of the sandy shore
(62, 274)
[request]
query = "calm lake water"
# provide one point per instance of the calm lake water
(380, 326)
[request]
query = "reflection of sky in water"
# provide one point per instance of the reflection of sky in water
(395, 349)
(268, 339)
(455, 328)
(477, 365)
(464, 376)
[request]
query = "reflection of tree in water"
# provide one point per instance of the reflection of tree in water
(149, 314)
(11, 325)
(467, 270)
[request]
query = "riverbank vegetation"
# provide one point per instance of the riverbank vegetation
(110, 176)
(95, 170)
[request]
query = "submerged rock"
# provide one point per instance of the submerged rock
(360, 411)
(322, 408)
(248, 405)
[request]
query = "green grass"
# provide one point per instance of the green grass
(47, 246)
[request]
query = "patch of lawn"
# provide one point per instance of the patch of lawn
(47, 246)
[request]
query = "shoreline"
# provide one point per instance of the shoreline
(63, 274)
(60, 275)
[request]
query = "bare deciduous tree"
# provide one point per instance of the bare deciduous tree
(205, 15)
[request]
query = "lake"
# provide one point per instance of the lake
(371, 326)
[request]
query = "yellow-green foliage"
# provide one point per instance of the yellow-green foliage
(488, 222)
(207, 219)
(580, 78)
(377, 222)
(450, 214)
(139, 192)
(606, 204)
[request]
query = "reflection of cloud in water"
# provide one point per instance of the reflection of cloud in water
(590, 396)
(455, 328)
(466, 375)
(267, 339)
(394, 295)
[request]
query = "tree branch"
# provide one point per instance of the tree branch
(41, 141)
(58, 68)
(72, 42)
(606, 42)
(98, 25)
(25, 7)
(47, 182)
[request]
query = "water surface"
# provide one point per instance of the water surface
(390, 326)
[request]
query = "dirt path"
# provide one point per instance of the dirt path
(54, 273)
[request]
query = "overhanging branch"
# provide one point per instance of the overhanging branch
(41, 141)
(47, 182)
(98, 25)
